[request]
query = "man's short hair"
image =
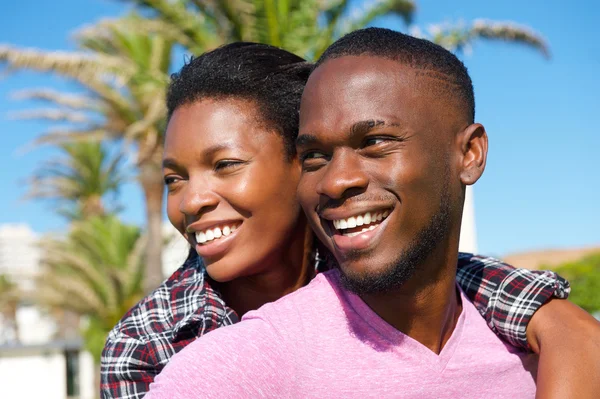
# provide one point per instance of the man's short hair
(432, 59)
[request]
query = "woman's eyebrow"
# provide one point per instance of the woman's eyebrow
(172, 163)
(213, 149)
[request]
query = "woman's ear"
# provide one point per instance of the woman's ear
(473, 142)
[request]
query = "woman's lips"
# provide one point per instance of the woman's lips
(219, 243)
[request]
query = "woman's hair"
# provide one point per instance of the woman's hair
(269, 76)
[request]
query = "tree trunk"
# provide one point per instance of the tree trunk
(152, 184)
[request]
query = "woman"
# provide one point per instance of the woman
(231, 174)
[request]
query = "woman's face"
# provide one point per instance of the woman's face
(231, 188)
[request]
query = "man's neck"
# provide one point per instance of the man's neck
(426, 307)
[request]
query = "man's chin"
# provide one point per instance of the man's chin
(369, 281)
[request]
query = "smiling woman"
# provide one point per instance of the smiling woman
(231, 171)
(245, 182)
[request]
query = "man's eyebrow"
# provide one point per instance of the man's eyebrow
(306, 139)
(169, 163)
(361, 128)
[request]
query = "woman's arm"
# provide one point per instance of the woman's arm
(127, 369)
(518, 306)
(568, 341)
(507, 297)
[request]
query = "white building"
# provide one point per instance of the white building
(54, 370)
(19, 254)
(175, 251)
(60, 369)
(468, 233)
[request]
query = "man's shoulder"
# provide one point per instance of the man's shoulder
(183, 305)
(320, 291)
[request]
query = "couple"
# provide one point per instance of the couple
(379, 161)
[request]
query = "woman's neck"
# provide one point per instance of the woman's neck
(284, 272)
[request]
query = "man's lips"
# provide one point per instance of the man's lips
(359, 231)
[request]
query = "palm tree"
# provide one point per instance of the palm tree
(95, 272)
(305, 27)
(10, 296)
(79, 180)
(308, 27)
(125, 73)
(124, 66)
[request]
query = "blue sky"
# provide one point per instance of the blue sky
(541, 188)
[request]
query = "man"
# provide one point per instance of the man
(387, 143)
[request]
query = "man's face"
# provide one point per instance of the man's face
(380, 182)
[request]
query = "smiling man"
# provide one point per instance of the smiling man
(388, 144)
(392, 139)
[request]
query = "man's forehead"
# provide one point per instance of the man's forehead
(348, 91)
(356, 72)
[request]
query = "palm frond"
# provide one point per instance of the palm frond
(51, 115)
(65, 135)
(82, 67)
(511, 32)
(460, 37)
(79, 178)
(94, 272)
(79, 102)
(199, 27)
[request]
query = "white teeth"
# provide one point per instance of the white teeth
(360, 220)
(367, 218)
(352, 234)
(214, 233)
(351, 222)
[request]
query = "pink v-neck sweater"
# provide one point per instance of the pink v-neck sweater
(325, 342)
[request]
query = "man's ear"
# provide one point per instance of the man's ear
(473, 141)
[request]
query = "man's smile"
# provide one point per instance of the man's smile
(358, 231)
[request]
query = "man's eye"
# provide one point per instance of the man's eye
(374, 141)
(313, 155)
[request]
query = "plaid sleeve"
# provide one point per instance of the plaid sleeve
(181, 309)
(127, 369)
(507, 297)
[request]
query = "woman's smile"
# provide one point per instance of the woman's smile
(217, 241)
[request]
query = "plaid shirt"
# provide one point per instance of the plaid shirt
(185, 307)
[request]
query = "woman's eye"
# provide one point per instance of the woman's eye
(172, 183)
(169, 180)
